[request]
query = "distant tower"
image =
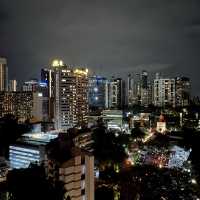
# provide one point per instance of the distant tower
(130, 92)
(116, 93)
(183, 88)
(145, 93)
(3, 74)
(12, 85)
(144, 79)
(164, 92)
(97, 92)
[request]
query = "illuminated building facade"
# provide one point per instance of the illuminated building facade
(40, 98)
(183, 88)
(30, 86)
(12, 87)
(164, 92)
(18, 104)
(47, 76)
(113, 119)
(133, 90)
(23, 105)
(3, 74)
(97, 96)
(145, 90)
(116, 93)
(139, 89)
(30, 148)
(131, 96)
(77, 171)
(70, 95)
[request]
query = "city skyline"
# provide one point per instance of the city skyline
(110, 38)
(99, 100)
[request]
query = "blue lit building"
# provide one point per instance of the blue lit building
(30, 148)
(97, 92)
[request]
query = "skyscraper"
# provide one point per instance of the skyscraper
(164, 92)
(12, 85)
(3, 74)
(145, 97)
(130, 91)
(139, 89)
(47, 76)
(97, 92)
(144, 79)
(69, 90)
(40, 98)
(116, 93)
(183, 88)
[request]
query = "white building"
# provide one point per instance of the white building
(164, 92)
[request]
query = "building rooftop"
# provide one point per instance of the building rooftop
(37, 139)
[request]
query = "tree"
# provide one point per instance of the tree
(10, 131)
(105, 193)
(32, 184)
(137, 133)
(107, 146)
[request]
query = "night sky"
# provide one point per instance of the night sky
(109, 36)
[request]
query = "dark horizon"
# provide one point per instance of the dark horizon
(111, 38)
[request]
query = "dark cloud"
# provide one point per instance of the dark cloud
(115, 36)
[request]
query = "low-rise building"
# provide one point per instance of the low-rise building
(113, 119)
(30, 148)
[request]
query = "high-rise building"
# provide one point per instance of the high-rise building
(47, 76)
(164, 92)
(116, 93)
(38, 111)
(145, 90)
(97, 92)
(23, 105)
(3, 74)
(40, 95)
(19, 104)
(130, 91)
(183, 88)
(144, 80)
(139, 89)
(69, 90)
(12, 87)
